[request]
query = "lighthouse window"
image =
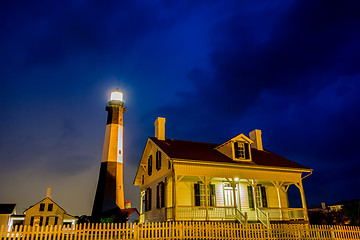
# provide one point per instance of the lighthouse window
(150, 165)
(158, 160)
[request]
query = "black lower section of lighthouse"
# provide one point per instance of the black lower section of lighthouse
(105, 198)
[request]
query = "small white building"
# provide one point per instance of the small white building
(234, 181)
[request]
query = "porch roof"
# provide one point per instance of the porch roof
(206, 152)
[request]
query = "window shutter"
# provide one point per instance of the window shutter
(150, 165)
(162, 194)
(149, 198)
(197, 194)
(236, 149)
(250, 196)
(247, 154)
(145, 200)
(158, 196)
(159, 160)
(263, 197)
(212, 195)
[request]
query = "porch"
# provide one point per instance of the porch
(195, 213)
(197, 198)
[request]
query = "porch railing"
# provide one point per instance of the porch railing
(285, 213)
(263, 216)
(198, 213)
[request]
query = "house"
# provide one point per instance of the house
(234, 181)
(6, 210)
(47, 212)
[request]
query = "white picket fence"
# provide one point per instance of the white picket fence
(181, 230)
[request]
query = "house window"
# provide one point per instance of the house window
(56, 221)
(41, 221)
(160, 195)
(150, 165)
(142, 180)
(261, 200)
(50, 207)
(31, 221)
(158, 160)
(47, 221)
(148, 199)
(169, 164)
(42, 207)
(199, 192)
(241, 150)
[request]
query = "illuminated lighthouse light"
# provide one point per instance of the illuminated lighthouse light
(117, 96)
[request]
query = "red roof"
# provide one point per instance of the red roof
(206, 152)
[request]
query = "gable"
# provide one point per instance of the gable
(237, 148)
(36, 208)
(154, 163)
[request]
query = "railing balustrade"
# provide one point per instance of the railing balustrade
(198, 213)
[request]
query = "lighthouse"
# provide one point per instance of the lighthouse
(110, 189)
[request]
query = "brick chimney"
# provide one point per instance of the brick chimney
(255, 135)
(48, 192)
(160, 128)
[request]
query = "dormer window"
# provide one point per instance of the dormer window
(241, 150)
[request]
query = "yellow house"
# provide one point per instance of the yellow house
(234, 181)
(47, 212)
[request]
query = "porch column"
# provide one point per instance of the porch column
(141, 201)
(278, 185)
(233, 184)
(206, 198)
(174, 197)
(301, 189)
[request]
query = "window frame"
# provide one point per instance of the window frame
(149, 165)
(158, 160)
(199, 195)
(42, 207)
(241, 150)
(50, 207)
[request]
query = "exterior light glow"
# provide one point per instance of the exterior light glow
(117, 96)
(236, 179)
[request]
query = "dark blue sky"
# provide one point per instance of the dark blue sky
(213, 69)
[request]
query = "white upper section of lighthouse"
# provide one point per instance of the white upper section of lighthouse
(117, 96)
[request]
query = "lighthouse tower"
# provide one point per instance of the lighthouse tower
(110, 188)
